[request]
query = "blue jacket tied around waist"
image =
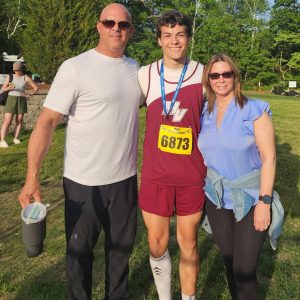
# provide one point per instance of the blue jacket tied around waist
(242, 202)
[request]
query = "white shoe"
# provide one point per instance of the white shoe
(3, 144)
(16, 141)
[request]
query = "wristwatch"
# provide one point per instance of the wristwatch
(267, 199)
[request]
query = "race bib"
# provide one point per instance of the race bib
(177, 140)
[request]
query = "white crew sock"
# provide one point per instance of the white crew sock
(185, 297)
(161, 269)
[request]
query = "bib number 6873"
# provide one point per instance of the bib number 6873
(173, 142)
(176, 140)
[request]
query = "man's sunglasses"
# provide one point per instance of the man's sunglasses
(16, 70)
(109, 24)
(226, 75)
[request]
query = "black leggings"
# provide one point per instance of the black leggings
(240, 245)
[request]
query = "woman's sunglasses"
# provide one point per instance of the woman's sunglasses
(122, 25)
(226, 75)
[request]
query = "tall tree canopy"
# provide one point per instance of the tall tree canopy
(285, 28)
(264, 40)
(56, 30)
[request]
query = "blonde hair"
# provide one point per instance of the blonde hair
(240, 98)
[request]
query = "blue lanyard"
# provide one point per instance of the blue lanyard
(162, 87)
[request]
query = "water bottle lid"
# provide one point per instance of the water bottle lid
(34, 212)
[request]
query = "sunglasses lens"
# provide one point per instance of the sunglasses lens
(108, 23)
(214, 76)
(124, 25)
(227, 75)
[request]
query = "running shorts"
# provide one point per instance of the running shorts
(166, 201)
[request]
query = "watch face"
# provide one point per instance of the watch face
(266, 199)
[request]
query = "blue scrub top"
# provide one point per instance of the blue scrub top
(231, 150)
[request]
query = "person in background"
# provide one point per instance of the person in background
(238, 145)
(99, 92)
(16, 103)
(173, 170)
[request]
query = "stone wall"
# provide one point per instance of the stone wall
(34, 107)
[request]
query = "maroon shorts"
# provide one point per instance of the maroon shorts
(166, 200)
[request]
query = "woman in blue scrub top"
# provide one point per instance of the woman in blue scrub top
(237, 141)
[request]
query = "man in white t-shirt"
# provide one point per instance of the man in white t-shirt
(99, 92)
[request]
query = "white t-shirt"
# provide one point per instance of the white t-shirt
(100, 94)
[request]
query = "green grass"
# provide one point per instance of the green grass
(44, 277)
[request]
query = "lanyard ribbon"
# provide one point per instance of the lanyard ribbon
(162, 87)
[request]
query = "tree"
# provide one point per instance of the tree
(252, 23)
(56, 30)
(285, 28)
(263, 45)
(294, 63)
(285, 16)
(11, 23)
(289, 46)
(143, 46)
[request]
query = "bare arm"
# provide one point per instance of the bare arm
(265, 141)
(32, 84)
(6, 83)
(39, 143)
(143, 79)
(7, 86)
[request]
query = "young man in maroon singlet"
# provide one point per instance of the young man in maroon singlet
(173, 169)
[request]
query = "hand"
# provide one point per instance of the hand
(31, 192)
(11, 86)
(262, 216)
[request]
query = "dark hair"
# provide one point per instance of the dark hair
(173, 18)
(240, 98)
